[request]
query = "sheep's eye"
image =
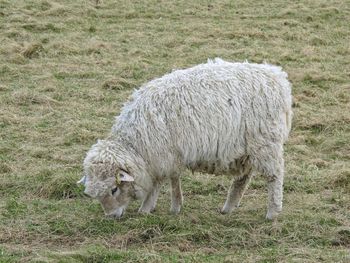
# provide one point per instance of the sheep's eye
(114, 190)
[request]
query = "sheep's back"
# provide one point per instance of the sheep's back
(208, 113)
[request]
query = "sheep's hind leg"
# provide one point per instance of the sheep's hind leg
(176, 195)
(273, 169)
(236, 192)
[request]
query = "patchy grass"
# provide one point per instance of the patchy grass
(66, 67)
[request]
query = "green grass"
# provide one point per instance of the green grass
(66, 67)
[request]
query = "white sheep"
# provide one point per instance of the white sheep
(218, 117)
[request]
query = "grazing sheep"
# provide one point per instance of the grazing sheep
(218, 117)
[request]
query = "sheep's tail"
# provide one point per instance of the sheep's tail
(288, 110)
(286, 87)
(216, 61)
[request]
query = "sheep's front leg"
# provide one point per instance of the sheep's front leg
(150, 202)
(235, 193)
(176, 195)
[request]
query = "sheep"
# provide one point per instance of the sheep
(219, 118)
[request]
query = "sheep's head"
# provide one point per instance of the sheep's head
(105, 180)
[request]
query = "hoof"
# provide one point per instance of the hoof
(271, 215)
(224, 212)
(144, 211)
(175, 211)
(228, 210)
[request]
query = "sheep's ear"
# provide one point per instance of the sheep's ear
(82, 180)
(124, 177)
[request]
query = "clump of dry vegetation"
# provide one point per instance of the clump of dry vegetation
(118, 84)
(66, 67)
(31, 50)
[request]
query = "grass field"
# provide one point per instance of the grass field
(66, 67)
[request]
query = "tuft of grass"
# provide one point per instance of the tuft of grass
(341, 180)
(342, 237)
(118, 84)
(14, 208)
(5, 168)
(59, 186)
(32, 50)
(27, 97)
(39, 27)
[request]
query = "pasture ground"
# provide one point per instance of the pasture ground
(66, 67)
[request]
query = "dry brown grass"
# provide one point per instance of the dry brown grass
(66, 67)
